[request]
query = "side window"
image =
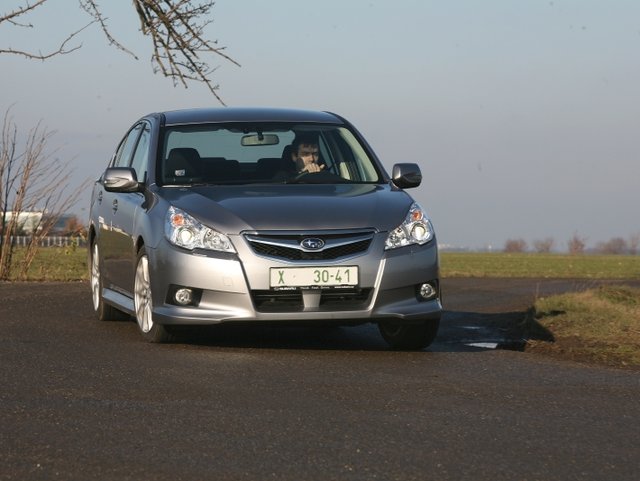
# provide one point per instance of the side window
(123, 156)
(141, 154)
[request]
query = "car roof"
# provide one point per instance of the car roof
(247, 114)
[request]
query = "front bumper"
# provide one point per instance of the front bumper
(235, 288)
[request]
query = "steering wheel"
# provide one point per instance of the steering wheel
(302, 174)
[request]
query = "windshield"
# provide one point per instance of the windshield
(263, 153)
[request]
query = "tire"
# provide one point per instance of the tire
(143, 302)
(409, 337)
(104, 311)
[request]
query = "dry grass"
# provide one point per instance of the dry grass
(600, 325)
(55, 264)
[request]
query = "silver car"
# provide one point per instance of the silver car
(211, 216)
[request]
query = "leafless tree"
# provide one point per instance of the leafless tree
(31, 180)
(543, 246)
(615, 246)
(176, 29)
(515, 245)
(73, 227)
(634, 241)
(576, 244)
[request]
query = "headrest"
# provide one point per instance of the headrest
(183, 162)
(286, 152)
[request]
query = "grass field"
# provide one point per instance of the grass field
(70, 264)
(559, 266)
(600, 325)
(55, 264)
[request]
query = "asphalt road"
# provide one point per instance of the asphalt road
(82, 399)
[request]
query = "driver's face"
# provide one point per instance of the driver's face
(307, 154)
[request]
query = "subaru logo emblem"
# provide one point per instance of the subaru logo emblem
(312, 244)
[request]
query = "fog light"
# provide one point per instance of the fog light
(427, 291)
(183, 296)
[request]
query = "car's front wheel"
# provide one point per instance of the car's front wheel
(409, 337)
(143, 302)
(104, 311)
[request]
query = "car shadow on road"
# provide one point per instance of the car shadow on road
(283, 336)
(464, 330)
(460, 331)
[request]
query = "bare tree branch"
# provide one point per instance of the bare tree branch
(62, 49)
(92, 8)
(9, 17)
(176, 29)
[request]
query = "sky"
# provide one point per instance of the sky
(524, 116)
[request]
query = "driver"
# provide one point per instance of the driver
(305, 153)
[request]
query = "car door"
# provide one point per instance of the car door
(118, 210)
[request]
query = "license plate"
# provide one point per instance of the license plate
(288, 277)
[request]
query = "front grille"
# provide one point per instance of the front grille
(293, 254)
(291, 300)
(287, 246)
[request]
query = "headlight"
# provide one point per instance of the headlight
(184, 231)
(416, 229)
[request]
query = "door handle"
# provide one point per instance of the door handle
(100, 197)
(115, 205)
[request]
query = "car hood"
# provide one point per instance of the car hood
(232, 209)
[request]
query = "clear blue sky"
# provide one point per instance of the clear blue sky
(523, 115)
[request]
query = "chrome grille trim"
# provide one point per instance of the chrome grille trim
(286, 245)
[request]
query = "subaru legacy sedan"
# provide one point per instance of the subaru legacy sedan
(226, 215)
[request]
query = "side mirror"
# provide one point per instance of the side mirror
(406, 176)
(120, 179)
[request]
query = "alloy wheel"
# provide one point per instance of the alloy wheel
(142, 296)
(95, 278)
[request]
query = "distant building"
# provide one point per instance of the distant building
(28, 222)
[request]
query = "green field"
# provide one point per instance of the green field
(55, 264)
(70, 264)
(560, 266)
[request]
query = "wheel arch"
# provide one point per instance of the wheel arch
(91, 237)
(139, 244)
